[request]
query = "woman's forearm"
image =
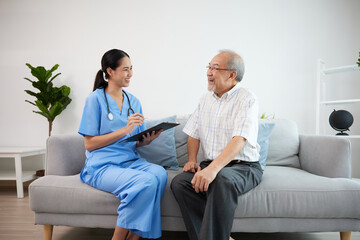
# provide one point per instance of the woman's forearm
(96, 142)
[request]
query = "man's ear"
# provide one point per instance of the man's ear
(233, 75)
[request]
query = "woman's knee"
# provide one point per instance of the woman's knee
(163, 174)
(149, 182)
(159, 172)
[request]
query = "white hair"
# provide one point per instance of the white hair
(236, 63)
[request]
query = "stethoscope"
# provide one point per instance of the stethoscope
(110, 116)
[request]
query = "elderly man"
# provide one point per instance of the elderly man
(225, 125)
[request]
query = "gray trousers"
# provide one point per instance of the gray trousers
(209, 215)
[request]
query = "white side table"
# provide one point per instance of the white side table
(20, 176)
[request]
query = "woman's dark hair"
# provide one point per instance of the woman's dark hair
(111, 59)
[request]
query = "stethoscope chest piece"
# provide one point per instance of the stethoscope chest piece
(110, 116)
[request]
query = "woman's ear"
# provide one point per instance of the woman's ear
(109, 71)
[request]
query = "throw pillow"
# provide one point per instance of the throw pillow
(284, 144)
(265, 129)
(162, 150)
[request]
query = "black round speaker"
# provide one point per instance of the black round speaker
(341, 120)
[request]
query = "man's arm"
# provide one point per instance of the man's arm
(193, 148)
(203, 178)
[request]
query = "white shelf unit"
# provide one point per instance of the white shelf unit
(18, 154)
(320, 92)
(10, 175)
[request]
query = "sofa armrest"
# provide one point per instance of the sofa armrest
(327, 156)
(65, 154)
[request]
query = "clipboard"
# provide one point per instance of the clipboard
(138, 137)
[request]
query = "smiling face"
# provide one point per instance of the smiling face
(122, 74)
(220, 79)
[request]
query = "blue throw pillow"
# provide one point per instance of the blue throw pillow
(162, 150)
(265, 129)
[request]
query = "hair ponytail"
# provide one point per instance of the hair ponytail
(99, 80)
(111, 59)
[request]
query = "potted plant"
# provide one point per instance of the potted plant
(264, 116)
(50, 100)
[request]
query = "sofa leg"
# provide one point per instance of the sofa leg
(345, 235)
(48, 230)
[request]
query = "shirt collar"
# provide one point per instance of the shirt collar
(228, 93)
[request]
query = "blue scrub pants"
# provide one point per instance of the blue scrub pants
(140, 186)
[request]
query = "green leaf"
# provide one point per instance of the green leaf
(44, 114)
(49, 72)
(65, 101)
(29, 66)
(40, 73)
(30, 102)
(31, 93)
(41, 85)
(54, 77)
(49, 87)
(28, 80)
(65, 90)
(41, 107)
(264, 116)
(56, 110)
(54, 68)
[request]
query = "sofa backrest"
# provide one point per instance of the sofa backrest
(283, 144)
(65, 154)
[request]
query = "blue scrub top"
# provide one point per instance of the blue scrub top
(95, 122)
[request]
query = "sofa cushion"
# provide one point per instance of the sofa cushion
(284, 192)
(169, 205)
(290, 192)
(284, 144)
(67, 194)
(162, 150)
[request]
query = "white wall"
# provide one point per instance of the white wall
(170, 43)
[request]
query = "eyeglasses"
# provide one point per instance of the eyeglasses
(209, 68)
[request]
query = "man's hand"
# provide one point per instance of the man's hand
(203, 178)
(191, 167)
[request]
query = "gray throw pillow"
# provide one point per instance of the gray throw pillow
(162, 150)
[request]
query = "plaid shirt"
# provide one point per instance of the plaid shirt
(217, 120)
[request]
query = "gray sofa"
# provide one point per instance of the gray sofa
(306, 187)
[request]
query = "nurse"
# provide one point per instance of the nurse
(111, 114)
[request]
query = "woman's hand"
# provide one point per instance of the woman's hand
(133, 121)
(148, 138)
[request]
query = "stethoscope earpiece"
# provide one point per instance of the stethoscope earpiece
(110, 115)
